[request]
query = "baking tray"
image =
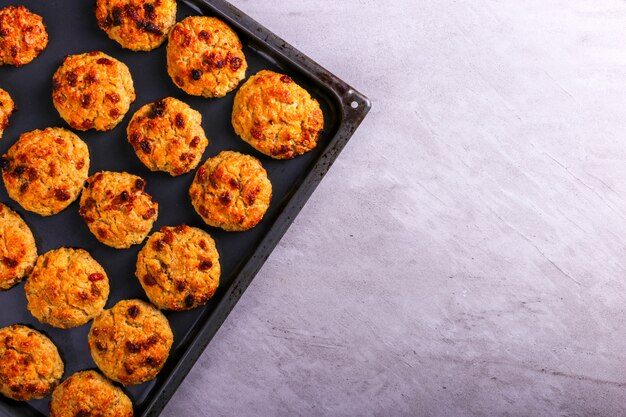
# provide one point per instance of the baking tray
(72, 28)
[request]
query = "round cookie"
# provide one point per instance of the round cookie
(30, 364)
(179, 268)
(117, 209)
(139, 25)
(130, 342)
(67, 288)
(205, 57)
(18, 251)
(167, 136)
(22, 36)
(7, 107)
(92, 91)
(45, 170)
(277, 116)
(88, 393)
(231, 191)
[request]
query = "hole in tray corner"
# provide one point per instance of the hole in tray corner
(354, 105)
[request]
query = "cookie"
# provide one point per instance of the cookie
(231, 191)
(167, 136)
(179, 268)
(205, 57)
(67, 288)
(277, 116)
(18, 251)
(116, 208)
(88, 393)
(23, 36)
(45, 170)
(92, 91)
(30, 364)
(7, 107)
(139, 25)
(130, 342)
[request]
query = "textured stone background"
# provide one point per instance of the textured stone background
(465, 255)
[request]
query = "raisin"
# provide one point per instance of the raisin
(9, 262)
(104, 61)
(133, 347)
(194, 142)
(100, 346)
(133, 311)
(201, 175)
(286, 79)
(196, 74)
(71, 78)
(235, 63)
(95, 277)
(85, 100)
(179, 121)
(124, 196)
(149, 214)
(149, 280)
(159, 245)
(204, 35)
(19, 170)
(189, 300)
(205, 266)
(225, 198)
(145, 146)
(61, 194)
(181, 285)
(140, 184)
(150, 12)
(117, 16)
(157, 109)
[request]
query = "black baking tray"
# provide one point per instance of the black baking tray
(72, 28)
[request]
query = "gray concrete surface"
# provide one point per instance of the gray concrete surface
(465, 255)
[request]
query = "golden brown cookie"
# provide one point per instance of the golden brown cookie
(67, 288)
(7, 107)
(30, 364)
(88, 393)
(231, 191)
(167, 136)
(92, 91)
(22, 36)
(205, 57)
(117, 209)
(179, 268)
(45, 170)
(139, 25)
(18, 251)
(130, 342)
(277, 116)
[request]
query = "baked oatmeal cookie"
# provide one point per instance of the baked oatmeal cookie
(231, 191)
(23, 36)
(117, 209)
(18, 250)
(7, 107)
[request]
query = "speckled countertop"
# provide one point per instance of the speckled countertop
(465, 254)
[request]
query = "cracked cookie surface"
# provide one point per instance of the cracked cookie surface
(45, 170)
(30, 364)
(232, 191)
(130, 342)
(179, 267)
(205, 57)
(116, 208)
(92, 91)
(67, 288)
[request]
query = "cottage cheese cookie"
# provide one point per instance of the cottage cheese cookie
(179, 268)
(88, 393)
(117, 209)
(167, 136)
(22, 36)
(30, 365)
(67, 288)
(139, 25)
(205, 57)
(92, 91)
(45, 170)
(130, 342)
(18, 251)
(277, 116)
(231, 191)
(7, 107)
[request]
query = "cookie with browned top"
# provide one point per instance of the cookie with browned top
(7, 107)
(18, 250)
(92, 91)
(232, 191)
(88, 393)
(22, 36)
(67, 288)
(179, 268)
(45, 170)
(277, 116)
(30, 364)
(139, 25)
(205, 57)
(167, 135)
(130, 342)
(116, 208)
